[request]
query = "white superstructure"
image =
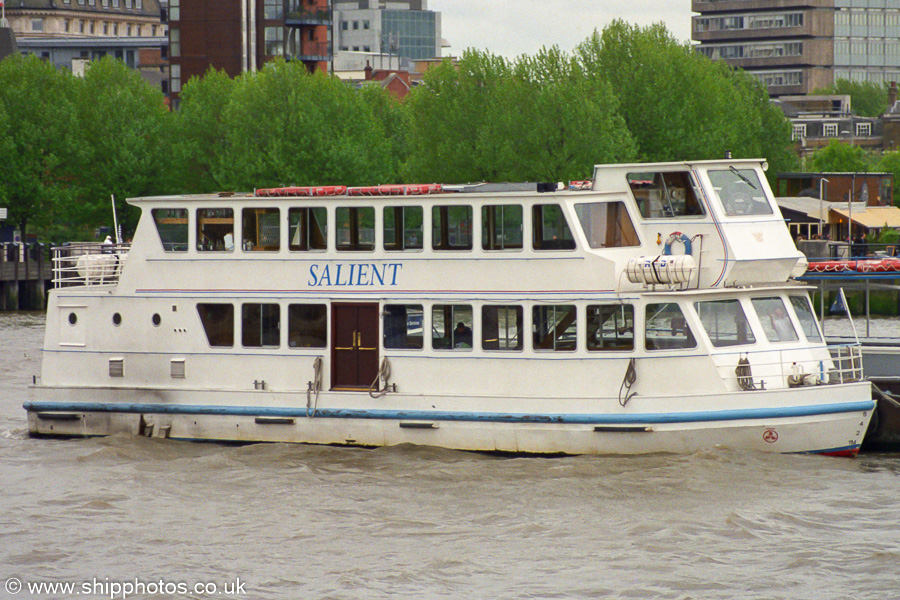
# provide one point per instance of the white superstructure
(648, 310)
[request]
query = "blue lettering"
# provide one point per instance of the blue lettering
(326, 276)
(366, 274)
(397, 267)
(376, 274)
(337, 276)
(313, 280)
(361, 272)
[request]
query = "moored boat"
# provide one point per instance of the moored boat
(648, 310)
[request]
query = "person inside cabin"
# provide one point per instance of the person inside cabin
(462, 336)
(781, 323)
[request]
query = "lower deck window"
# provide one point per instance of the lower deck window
(403, 326)
(667, 329)
(218, 323)
(501, 327)
(307, 326)
(725, 323)
(451, 327)
(610, 327)
(260, 325)
(555, 327)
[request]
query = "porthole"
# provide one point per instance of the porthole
(117, 319)
(73, 318)
(157, 319)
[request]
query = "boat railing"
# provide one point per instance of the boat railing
(88, 263)
(783, 370)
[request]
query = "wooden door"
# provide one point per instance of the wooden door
(354, 354)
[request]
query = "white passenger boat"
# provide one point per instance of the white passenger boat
(648, 310)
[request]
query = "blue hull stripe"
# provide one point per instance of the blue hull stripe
(436, 415)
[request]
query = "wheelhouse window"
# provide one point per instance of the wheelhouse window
(172, 227)
(550, 229)
(501, 327)
(260, 325)
(218, 323)
(667, 329)
(403, 227)
(807, 318)
(308, 228)
(261, 229)
(555, 327)
(451, 227)
(607, 225)
(355, 228)
(776, 322)
(610, 327)
(740, 192)
(307, 326)
(215, 229)
(403, 326)
(501, 227)
(451, 327)
(665, 195)
(725, 323)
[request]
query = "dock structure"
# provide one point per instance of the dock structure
(25, 275)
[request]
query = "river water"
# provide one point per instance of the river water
(283, 521)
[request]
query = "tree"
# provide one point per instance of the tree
(867, 99)
(890, 163)
(124, 128)
(838, 157)
(37, 138)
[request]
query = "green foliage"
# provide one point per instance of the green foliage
(890, 163)
(888, 235)
(838, 157)
(867, 99)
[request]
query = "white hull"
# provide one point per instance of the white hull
(810, 423)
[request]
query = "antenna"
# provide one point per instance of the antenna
(115, 220)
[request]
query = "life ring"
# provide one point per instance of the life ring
(677, 236)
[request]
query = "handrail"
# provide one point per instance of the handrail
(88, 263)
(845, 366)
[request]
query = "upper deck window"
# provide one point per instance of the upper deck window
(501, 227)
(215, 229)
(662, 195)
(403, 227)
(775, 320)
(725, 323)
(355, 227)
(172, 227)
(261, 229)
(740, 192)
(308, 228)
(550, 230)
(451, 227)
(607, 224)
(667, 329)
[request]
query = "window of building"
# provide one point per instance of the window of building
(807, 318)
(308, 229)
(345, 25)
(104, 3)
(175, 78)
(215, 229)
(829, 130)
(128, 30)
(403, 227)
(725, 323)
(115, 3)
(106, 29)
(451, 327)
(555, 327)
(218, 323)
(174, 42)
(798, 132)
(403, 326)
(260, 325)
(174, 10)
(367, 48)
(172, 227)
(67, 25)
(128, 3)
(776, 322)
(139, 4)
(365, 24)
(273, 9)
(81, 26)
(502, 327)
(666, 328)
(550, 229)
(451, 227)
(356, 48)
(37, 24)
(261, 229)
(863, 129)
(92, 27)
(355, 228)
(355, 24)
(665, 195)
(307, 326)
(501, 227)
(115, 29)
(610, 327)
(606, 225)
(274, 41)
